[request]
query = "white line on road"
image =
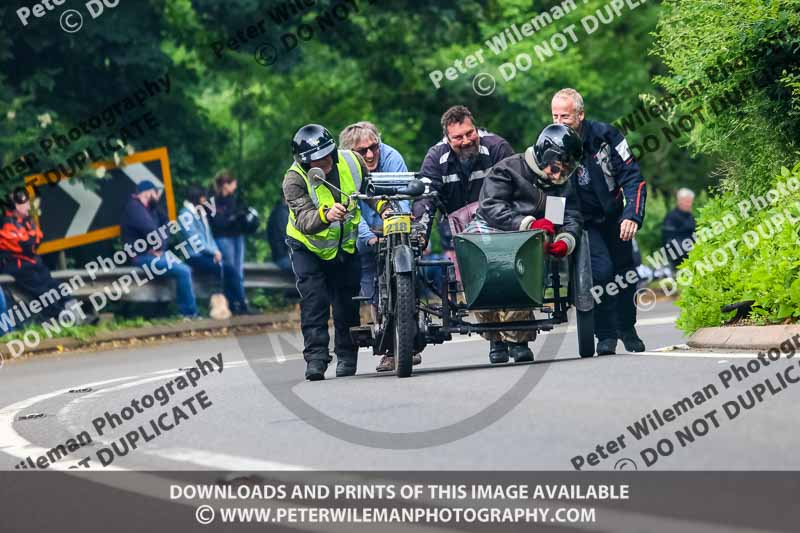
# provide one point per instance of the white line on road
(17, 446)
(221, 461)
(703, 355)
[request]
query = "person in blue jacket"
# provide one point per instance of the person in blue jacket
(365, 139)
(209, 259)
(6, 326)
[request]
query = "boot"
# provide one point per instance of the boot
(631, 340)
(386, 364)
(243, 308)
(315, 370)
(498, 352)
(520, 352)
(345, 368)
(607, 346)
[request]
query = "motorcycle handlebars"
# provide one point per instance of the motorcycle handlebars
(407, 184)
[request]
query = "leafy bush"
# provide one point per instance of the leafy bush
(738, 62)
(733, 66)
(649, 235)
(744, 258)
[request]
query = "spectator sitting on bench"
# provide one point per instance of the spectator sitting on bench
(19, 238)
(5, 325)
(209, 259)
(142, 216)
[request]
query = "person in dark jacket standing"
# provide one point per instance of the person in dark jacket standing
(457, 164)
(678, 228)
(514, 198)
(226, 225)
(612, 194)
(142, 216)
(276, 235)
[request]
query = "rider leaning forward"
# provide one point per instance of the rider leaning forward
(321, 235)
(513, 198)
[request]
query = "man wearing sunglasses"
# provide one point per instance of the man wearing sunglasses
(365, 139)
(612, 195)
(513, 198)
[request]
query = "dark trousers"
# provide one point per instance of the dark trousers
(34, 280)
(611, 257)
(232, 284)
(323, 284)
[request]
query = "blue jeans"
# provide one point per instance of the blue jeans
(232, 249)
(232, 283)
(182, 274)
(3, 309)
(369, 271)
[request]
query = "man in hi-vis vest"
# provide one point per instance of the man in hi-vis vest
(321, 235)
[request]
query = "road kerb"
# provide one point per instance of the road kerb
(743, 337)
(176, 331)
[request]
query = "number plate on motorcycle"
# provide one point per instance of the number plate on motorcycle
(397, 224)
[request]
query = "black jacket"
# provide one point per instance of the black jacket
(678, 226)
(138, 221)
(276, 231)
(608, 174)
(511, 199)
(225, 222)
(455, 188)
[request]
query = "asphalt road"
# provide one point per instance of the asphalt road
(457, 412)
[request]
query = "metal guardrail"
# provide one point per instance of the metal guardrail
(162, 289)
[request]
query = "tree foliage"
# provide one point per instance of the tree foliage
(227, 110)
(744, 57)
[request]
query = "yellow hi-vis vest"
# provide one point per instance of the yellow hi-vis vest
(343, 234)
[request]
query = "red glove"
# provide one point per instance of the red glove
(543, 224)
(557, 249)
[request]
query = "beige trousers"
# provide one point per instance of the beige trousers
(507, 316)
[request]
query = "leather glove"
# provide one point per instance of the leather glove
(543, 224)
(557, 249)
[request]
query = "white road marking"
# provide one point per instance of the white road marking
(17, 446)
(275, 343)
(706, 355)
(153, 486)
(221, 461)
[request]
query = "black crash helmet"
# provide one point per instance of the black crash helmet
(558, 145)
(18, 196)
(312, 143)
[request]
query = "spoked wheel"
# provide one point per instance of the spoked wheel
(585, 325)
(405, 325)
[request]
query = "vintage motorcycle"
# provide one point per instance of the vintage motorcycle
(503, 270)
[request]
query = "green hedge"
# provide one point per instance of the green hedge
(752, 255)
